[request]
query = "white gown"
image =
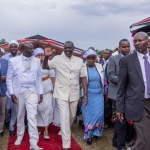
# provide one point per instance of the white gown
(56, 120)
(45, 108)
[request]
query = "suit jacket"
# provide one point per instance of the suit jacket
(101, 73)
(14, 75)
(112, 75)
(131, 88)
(67, 76)
(4, 68)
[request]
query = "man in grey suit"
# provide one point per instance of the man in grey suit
(112, 74)
(133, 96)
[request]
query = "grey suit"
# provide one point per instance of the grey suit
(112, 74)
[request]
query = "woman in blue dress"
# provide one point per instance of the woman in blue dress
(93, 112)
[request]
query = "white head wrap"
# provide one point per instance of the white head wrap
(13, 42)
(2, 50)
(89, 52)
(38, 51)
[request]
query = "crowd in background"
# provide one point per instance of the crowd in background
(109, 100)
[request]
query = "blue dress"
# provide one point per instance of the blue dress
(93, 112)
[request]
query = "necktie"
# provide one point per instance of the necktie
(147, 73)
(28, 64)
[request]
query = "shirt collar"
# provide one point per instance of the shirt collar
(25, 58)
(121, 55)
(140, 55)
(10, 55)
(106, 61)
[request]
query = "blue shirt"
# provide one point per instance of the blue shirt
(4, 67)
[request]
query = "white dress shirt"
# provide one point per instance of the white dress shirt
(28, 79)
(105, 63)
(141, 59)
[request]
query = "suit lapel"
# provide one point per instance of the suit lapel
(138, 66)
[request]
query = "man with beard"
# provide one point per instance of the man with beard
(13, 46)
(133, 96)
(112, 75)
(24, 83)
(68, 70)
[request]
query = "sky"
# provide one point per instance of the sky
(87, 23)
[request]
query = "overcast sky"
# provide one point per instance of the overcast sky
(97, 23)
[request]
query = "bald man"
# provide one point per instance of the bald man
(133, 96)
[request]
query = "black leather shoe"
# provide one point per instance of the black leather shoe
(115, 145)
(131, 143)
(95, 137)
(7, 125)
(122, 148)
(89, 142)
(12, 133)
(1, 134)
(133, 147)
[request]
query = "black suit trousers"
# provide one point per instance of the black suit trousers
(120, 131)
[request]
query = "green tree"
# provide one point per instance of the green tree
(2, 41)
(100, 52)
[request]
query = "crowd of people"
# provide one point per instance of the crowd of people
(39, 87)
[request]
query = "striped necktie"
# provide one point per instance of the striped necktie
(28, 64)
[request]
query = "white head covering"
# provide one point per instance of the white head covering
(13, 42)
(2, 50)
(89, 52)
(38, 51)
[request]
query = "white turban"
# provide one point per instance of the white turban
(13, 42)
(38, 51)
(89, 52)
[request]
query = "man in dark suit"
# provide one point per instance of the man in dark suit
(112, 74)
(107, 104)
(133, 96)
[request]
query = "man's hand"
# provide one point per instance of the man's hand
(3, 78)
(120, 117)
(80, 102)
(47, 50)
(41, 98)
(14, 99)
(86, 100)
